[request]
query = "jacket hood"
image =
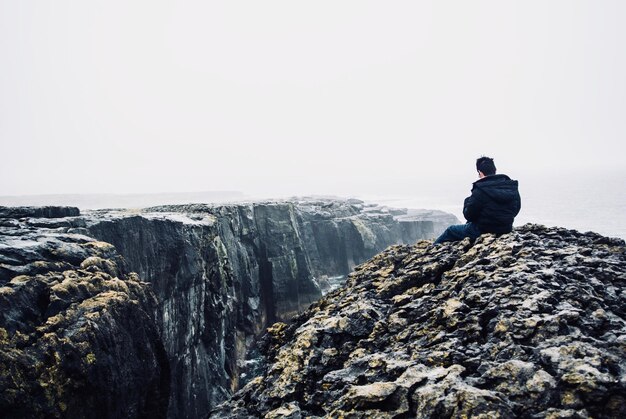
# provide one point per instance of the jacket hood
(500, 188)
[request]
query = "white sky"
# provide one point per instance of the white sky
(304, 97)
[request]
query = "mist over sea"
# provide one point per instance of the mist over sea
(585, 202)
(581, 201)
(128, 200)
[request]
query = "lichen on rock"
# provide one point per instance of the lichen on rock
(529, 324)
(216, 276)
(77, 334)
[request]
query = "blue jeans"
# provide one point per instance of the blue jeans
(459, 232)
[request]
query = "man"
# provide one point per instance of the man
(494, 203)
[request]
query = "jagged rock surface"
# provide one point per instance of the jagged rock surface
(531, 324)
(77, 333)
(219, 275)
(38, 212)
(222, 273)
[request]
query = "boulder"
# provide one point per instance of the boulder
(77, 332)
(529, 324)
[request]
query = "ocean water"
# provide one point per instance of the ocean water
(98, 201)
(582, 202)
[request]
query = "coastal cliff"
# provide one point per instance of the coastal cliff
(77, 331)
(215, 278)
(530, 324)
(222, 274)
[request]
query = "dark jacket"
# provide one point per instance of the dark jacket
(494, 203)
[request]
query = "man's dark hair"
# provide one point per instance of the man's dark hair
(486, 165)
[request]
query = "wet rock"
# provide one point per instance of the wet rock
(77, 333)
(38, 212)
(220, 274)
(530, 324)
(223, 273)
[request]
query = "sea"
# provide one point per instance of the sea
(581, 201)
(575, 201)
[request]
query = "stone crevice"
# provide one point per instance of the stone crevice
(206, 281)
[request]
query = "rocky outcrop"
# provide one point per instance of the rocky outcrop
(77, 332)
(222, 274)
(218, 275)
(530, 324)
(38, 212)
(338, 235)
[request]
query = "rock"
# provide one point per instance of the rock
(223, 273)
(220, 273)
(440, 219)
(530, 324)
(38, 212)
(77, 333)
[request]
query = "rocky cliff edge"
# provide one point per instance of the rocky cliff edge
(81, 336)
(78, 336)
(531, 324)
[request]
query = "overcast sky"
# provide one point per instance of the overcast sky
(304, 97)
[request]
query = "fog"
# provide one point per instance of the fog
(289, 97)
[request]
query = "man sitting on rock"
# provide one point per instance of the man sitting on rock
(494, 203)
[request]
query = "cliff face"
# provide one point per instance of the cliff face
(216, 276)
(531, 324)
(77, 333)
(222, 274)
